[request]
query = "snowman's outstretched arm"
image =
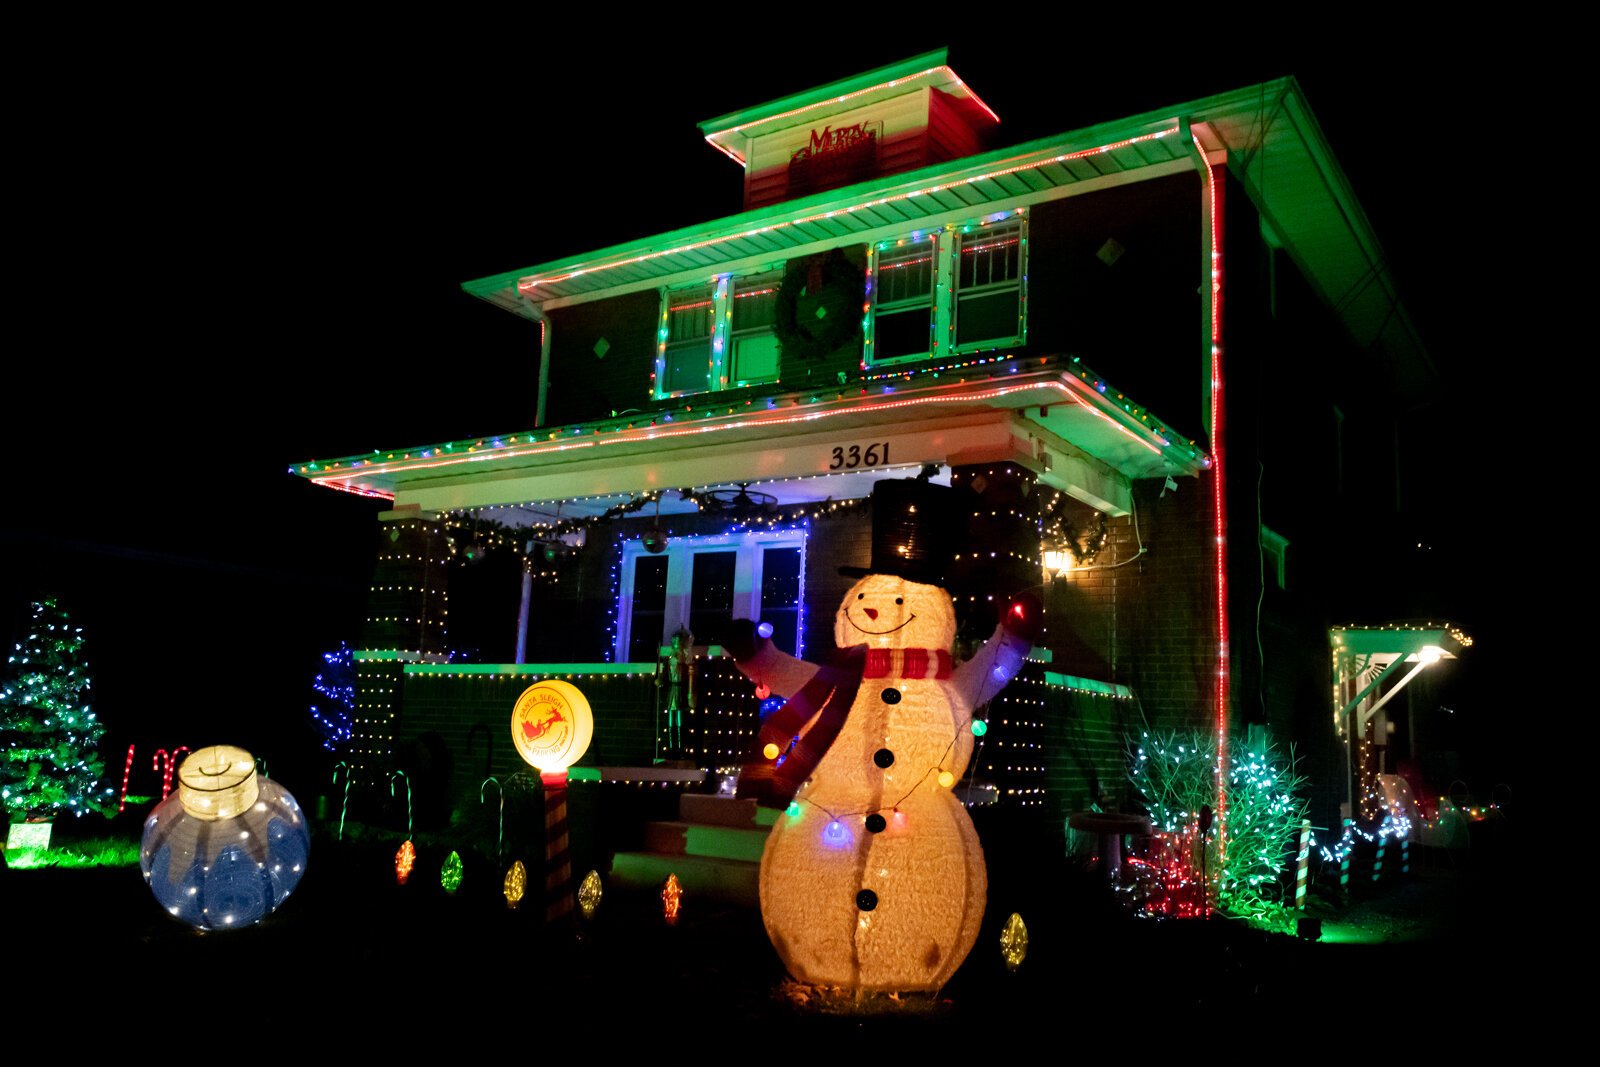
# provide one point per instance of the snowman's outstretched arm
(765, 663)
(980, 678)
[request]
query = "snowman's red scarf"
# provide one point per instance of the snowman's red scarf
(907, 663)
(827, 699)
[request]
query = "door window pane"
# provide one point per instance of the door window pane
(780, 595)
(649, 608)
(711, 595)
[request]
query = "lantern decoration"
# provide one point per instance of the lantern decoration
(671, 899)
(515, 886)
(227, 847)
(1014, 942)
(589, 891)
(450, 874)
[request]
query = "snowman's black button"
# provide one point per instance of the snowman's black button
(866, 900)
(876, 823)
(891, 696)
(883, 758)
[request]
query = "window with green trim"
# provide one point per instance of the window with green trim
(988, 285)
(688, 326)
(959, 289)
(717, 336)
(752, 344)
(903, 298)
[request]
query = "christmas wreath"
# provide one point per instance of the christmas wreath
(819, 303)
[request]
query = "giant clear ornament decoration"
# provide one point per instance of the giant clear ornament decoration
(228, 846)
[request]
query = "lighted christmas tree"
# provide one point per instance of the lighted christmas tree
(49, 738)
(334, 709)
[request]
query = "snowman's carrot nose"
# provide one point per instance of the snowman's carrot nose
(872, 613)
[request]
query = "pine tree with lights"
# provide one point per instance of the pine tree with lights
(49, 737)
(334, 711)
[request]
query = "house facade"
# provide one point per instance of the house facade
(1150, 356)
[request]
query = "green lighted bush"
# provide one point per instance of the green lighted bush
(1176, 773)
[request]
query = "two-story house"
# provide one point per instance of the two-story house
(1119, 343)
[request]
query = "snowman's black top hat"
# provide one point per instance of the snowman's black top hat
(915, 529)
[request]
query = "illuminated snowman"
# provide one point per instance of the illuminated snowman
(874, 879)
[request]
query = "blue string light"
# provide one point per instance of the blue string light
(337, 688)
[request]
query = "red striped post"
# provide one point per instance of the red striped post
(1302, 864)
(557, 856)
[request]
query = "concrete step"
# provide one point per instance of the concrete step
(700, 839)
(715, 810)
(730, 881)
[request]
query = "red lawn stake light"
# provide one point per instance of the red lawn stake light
(164, 762)
(127, 769)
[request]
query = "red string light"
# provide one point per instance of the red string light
(1218, 499)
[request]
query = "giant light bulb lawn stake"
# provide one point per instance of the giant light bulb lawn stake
(551, 726)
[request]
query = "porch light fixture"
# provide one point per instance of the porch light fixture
(1057, 563)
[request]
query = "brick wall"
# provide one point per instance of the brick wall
(1150, 622)
(408, 602)
(472, 716)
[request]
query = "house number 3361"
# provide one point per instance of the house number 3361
(848, 457)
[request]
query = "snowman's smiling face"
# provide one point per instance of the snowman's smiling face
(888, 612)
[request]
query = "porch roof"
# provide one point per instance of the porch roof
(1050, 414)
(1410, 641)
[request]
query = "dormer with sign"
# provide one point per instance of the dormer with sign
(887, 121)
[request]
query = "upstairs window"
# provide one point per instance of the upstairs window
(753, 346)
(960, 289)
(717, 336)
(684, 363)
(989, 268)
(903, 298)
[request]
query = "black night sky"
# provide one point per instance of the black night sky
(245, 253)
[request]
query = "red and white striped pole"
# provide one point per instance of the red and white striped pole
(557, 854)
(1302, 864)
